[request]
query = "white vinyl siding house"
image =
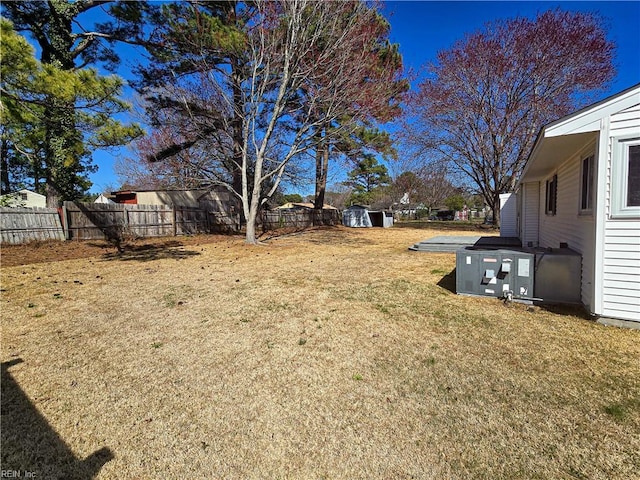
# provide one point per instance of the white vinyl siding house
(26, 199)
(567, 225)
(621, 225)
(592, 156)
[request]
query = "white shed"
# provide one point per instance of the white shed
(581, 187)
(356, 216)
(102, 198)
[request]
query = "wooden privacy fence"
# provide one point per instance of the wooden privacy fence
(23, 225)
(85, 221)
(97, 221)
(274, 219)
(190, 221)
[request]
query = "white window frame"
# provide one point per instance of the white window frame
(620, 177)
(551, 185)
(587, 191)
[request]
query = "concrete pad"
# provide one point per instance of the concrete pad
(445, 243)
(614, 322)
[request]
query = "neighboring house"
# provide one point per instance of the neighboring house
(217, 198)
(102, 198)
(581, 187)
(24, 198)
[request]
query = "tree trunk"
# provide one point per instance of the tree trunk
(5, 186)
(322, 167)
(237, 124)
(252, 217)
(254, 206)
(53, 197)
(250, 235)
(496, 210)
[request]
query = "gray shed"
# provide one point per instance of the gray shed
(356, 216)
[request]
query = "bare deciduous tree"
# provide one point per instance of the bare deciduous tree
(487, 96)
(428, 186)
(254, 96)
(180, 171)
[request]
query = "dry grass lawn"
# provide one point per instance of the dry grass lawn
(334, 354)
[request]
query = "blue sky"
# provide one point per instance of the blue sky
(424, 28)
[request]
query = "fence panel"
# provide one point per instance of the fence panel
(149, 220)
(97, 221)
(223, 223)
(23, 225)
(191, 221)
(326, 217)
(274, 219)
(94, 221)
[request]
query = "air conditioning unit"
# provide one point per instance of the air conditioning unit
(544, 275)
(502, 273)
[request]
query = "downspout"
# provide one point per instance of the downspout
(600, 217)
(541, 198)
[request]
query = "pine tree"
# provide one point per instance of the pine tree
(58, 110)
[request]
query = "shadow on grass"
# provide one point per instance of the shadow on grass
(448, 282)
(283, 233)
(324, 235)
(566, 310)
(147, 253)
(30, 444)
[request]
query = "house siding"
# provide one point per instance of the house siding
(568, 225)
(508, 215)
(215, 199)
(626, 120)
(530, 207)
(186, 198)
(32, 200)
(621, 249)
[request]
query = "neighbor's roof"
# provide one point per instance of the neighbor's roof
(304, 205)
(355, 206)
(24, 190)
(562, 138)
(144, 190)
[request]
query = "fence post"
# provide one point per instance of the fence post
(207, 220)
(174, 220)
(125, 215)
(64, 218)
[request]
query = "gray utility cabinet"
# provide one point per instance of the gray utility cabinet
(495, 273)
(546, 275)
(558, 275)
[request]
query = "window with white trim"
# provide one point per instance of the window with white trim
(551, 195)
(586, 185)
(633, 176)
(625, 177)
